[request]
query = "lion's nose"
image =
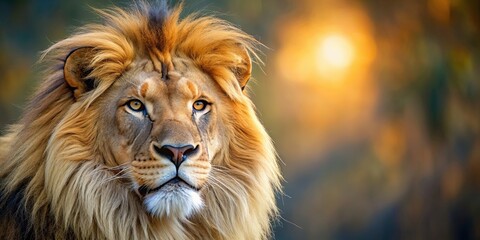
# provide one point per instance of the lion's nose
(176, 154)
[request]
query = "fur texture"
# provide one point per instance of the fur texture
(62, 172)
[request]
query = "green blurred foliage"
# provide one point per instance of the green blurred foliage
(390, 151)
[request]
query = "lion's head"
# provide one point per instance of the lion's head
(142, 129)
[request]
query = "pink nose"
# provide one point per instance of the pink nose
(176, 154)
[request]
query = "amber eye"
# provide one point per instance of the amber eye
(200, 105)
(136, 105)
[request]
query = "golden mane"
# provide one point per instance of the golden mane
(76, 197)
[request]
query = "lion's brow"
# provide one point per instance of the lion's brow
(144, 89)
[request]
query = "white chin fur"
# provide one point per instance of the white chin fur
(179, 202)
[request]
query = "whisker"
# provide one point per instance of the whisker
(122, 171)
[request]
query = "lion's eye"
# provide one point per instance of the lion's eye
(200, 105)
(136, 105)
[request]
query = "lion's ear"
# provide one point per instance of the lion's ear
(76, 70)
(243, 68)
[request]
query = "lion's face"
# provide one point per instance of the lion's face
(165, 135)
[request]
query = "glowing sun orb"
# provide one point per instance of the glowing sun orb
(335, 51)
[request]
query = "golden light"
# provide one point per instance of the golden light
(323, 68)
(336, 52)
(334, 49)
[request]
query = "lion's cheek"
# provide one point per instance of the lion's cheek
(214, 142)
(122, 151)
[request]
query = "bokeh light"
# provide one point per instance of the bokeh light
(322, 50)
(335, 53)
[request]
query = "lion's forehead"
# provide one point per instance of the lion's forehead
(177, 86)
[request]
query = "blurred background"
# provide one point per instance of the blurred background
(374, 106)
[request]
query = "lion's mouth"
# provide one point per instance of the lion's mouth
(171, 184)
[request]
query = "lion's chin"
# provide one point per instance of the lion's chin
(173, 200)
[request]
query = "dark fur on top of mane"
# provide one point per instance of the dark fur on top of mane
(157, 15)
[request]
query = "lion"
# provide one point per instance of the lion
(142, 129)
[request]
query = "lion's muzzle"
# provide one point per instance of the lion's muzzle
(176, 154)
